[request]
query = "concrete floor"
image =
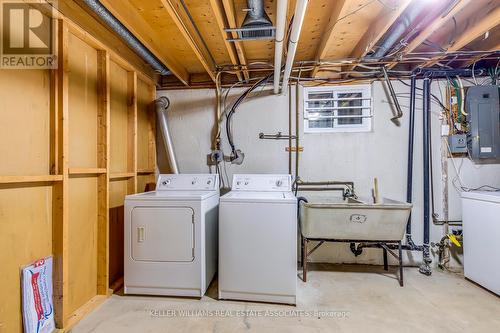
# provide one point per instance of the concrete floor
(354, 298)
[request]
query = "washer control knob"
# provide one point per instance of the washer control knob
(193, 181)
(209, 182)
(246, 183)
(238, 182)
(279, 182)
(166, 182)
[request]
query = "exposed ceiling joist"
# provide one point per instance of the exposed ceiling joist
(222, 23)
(378, 29)
(434, 26)
(475, 59)
(228, 7)
(328, 33)
(177, 13)
(482, 26)
(131, 18)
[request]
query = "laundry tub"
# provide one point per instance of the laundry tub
(331, 219)
(353, 219)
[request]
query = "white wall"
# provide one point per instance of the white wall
(359, 157)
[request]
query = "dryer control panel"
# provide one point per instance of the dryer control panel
(188, 182)
(262, 182)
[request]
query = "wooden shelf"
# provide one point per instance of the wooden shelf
(121, 175)
(145, 171)
(87, 171)
(30, 179)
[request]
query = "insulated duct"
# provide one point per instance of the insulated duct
(162, 105)
(397, 31)
(112, 22)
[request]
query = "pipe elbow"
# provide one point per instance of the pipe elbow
(162, 103)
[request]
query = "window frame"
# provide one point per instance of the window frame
(366, 107)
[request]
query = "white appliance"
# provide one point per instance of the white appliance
(481, 229)
(258, 240)
(171, 236)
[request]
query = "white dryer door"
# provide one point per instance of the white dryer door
(163, 234)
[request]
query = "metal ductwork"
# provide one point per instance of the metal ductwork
(162, 105)
(256, 25)
(112, 22)
(256, 15)
(397, 31)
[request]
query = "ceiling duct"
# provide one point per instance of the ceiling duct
(256, 25)
(114, 24)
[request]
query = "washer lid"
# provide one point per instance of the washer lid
(172, 195)
(482, 195)
(259, 196)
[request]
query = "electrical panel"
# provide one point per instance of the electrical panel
(483, 119)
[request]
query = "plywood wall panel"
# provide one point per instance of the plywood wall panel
(26, 229)
(24, 113)
(119, 119)
(117, 193)
(82, 241)
(83, 103)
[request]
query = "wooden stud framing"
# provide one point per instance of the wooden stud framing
(103, 142)
(228, 7)
(132, 131)
(174, 9)
(59, 172)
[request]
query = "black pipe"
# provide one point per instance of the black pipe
(411, 135)
(426, 99)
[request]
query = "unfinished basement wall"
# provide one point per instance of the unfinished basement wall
(74, 142)
(358, 157)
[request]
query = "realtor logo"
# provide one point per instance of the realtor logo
(27, 38)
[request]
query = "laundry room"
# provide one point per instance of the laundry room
(249, 165)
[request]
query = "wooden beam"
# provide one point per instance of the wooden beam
(87, 171)
(485, 24)
(121, 175)
(132, 131)
(435, 25)
(222, 23)
(130, 17)
(378, 29)
(103, 160)
(228, 6)
(60, 194)
(480, 28)
(30, 179)
(328, 33)
(177, 13)
(477, 58)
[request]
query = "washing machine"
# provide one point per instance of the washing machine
(171, 236)
(258, 240)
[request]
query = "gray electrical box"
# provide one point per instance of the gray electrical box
(483, 108)
(458, 143)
